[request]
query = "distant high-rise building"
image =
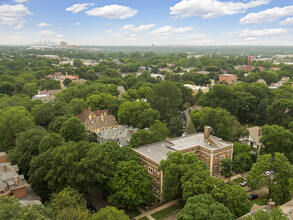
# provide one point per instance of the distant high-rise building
(63, 45)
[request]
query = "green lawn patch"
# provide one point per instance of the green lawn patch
(238, 180)
(133, 213)
(165, 212)
(144, 218)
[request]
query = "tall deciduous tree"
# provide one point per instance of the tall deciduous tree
(166, 98)
(13, 120)
(130, 186)
(110, 213)
(73, 130)
(204, 207)
(278, 183)
(226, 168)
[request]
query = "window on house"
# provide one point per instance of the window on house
(158, 180)
(158, 171)
(215, 173)
(207, 156)
(158, 189)
(216, 157)
(197, 152)
(150, 170)
(228, 152)
(216, 164)
(145, 164)
(222, 157)
(155, 178)
(203, 154)
(155, 170)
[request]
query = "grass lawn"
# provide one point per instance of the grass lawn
(238, 180)
(133, 213)
(144, 218)
(165, 212)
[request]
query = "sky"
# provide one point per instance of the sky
(147, 22)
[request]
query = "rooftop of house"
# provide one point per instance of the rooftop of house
(121, 89)
(255, 134)
(83, 116)
(8, 174)
(158, 151)
(101, 121)
(49, 92)
(227, 74)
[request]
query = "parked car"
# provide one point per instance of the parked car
(252, 196)
(268, 173)
(243, 183)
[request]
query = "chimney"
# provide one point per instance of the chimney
(39, 92)
(272, 204)
(259, 131)
(102, 117)
(15, 179)
(66, 74)
(4, 168)
(207, 132)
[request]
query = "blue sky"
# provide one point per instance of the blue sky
(147, 22)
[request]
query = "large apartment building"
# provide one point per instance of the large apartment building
(208, 148)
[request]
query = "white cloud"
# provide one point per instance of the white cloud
(13, 15)
(288, 21)
(47, 33)
(212, 8)
(43, 24)
(77, 24)
(141, 28)
(108, 31)
(20, 1)
(247, 33)
(59, 36)
(79, 7)
(267, 15)
(113, 12)
(168, 30)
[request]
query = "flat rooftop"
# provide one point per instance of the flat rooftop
(158, 151)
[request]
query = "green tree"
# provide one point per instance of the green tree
(55, 126)
(141, 137)
(110, 213)
(159, 131)
(73, 130)
(100, 101)
(226, 168)
(166, 98)
(11, 209)
(43, 115)
(130, 186)
(204, 207)
(67, 81)
(174, 167)
(77, 105)
(77, 63)
(13, 120)
(69, 204)
(278, 183)
(263, 214)
(50, 142)
(27, 146)
(175, 126)
(30, 89)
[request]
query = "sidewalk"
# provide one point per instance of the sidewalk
(148, 213)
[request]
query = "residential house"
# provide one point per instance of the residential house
(55, 76)
(253, 138)
(46, 95)
(74, 79)
(11, 184)
(275, 68)
(120, 135)
(230, 79)
(208, 148)
(261, 81)
(203, 72)
(196, 89)
(96, 121)
(121, 90)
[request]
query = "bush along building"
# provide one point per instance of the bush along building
(208, 148)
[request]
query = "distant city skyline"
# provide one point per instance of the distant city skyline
(163, 22)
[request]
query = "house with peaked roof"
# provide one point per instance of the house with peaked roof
(96, 121)
(253, 139)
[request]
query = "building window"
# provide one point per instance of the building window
(197, 152)
(158, 189)
(228, 152)
(216, 157)
(158, 180)
(155, 170)
(222, 157)
(155, 178)
(215, 173)
(203, 154)
(216, 164)
(158, 171)
(207, 156)
(145, 164)
(150, 170)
